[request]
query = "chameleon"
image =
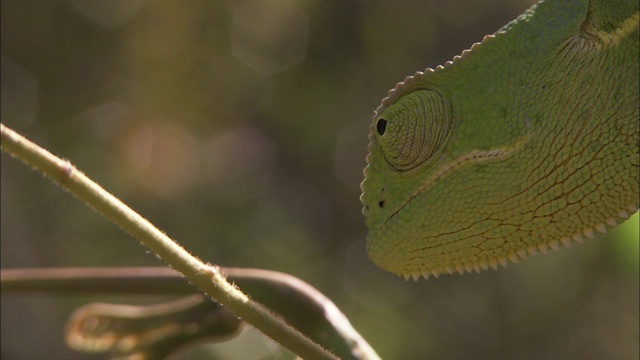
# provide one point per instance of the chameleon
(526, 141)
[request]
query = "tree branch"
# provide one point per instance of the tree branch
(208, 278)
(300, 304)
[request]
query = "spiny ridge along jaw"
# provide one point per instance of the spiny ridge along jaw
(532, 250)
(514, 257)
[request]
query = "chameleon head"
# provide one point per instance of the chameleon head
(471, 165)
(406, 137)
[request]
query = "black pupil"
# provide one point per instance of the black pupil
(381, 126)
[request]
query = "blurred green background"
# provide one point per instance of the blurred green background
(240, 128)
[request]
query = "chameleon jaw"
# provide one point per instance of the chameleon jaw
(523, 253)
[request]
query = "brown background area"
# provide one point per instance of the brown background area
(240, 128)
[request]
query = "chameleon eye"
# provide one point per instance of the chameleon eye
(381, 126)
(415, 127)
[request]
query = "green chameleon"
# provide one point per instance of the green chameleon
(526, 141)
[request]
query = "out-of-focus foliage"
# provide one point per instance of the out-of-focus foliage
(240, 128)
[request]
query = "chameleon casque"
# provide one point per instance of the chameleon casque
(527, 141)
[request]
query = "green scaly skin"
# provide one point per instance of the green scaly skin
(528, 140)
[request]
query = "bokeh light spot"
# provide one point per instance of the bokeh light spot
(160, 158)
(269, 36)
(107, 13)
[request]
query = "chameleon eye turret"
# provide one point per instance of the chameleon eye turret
(411, 130)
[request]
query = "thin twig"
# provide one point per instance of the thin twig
(206, 277)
